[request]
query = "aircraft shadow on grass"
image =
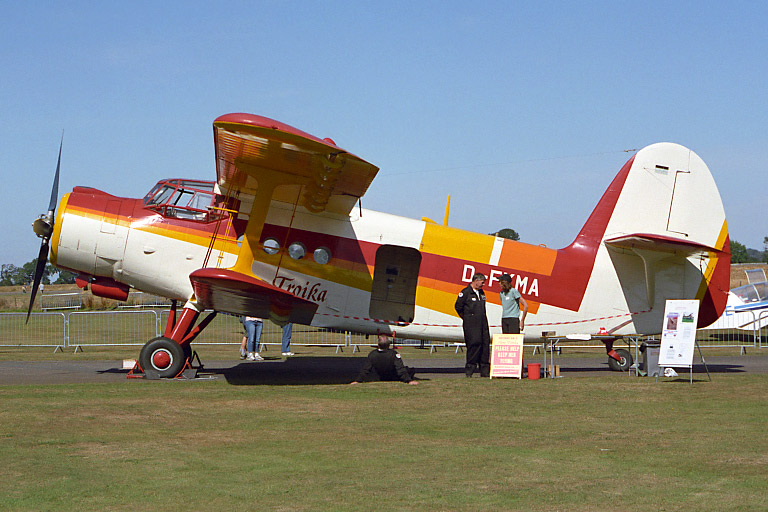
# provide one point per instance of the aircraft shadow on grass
(301, 371)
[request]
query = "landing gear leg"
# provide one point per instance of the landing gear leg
(166, 356)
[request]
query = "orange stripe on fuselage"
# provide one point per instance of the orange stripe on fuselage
(534, 259)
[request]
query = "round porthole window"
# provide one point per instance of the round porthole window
(322, 255)
(271, 246)
(297, 250)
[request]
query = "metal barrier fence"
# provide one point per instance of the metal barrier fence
(762, 328)
(43, 330)
(61, 301)
(103, 328)
(732, 329)
(136, 327)
(227, 329)
(145, 300)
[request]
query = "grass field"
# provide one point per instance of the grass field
(586, 444)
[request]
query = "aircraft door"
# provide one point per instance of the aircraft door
(395, 275)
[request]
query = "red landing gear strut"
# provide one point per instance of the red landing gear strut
(170, 354)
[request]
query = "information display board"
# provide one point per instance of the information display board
(678, 335)
(507, 356)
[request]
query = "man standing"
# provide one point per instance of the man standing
(512, 321)
(384, 363)
(470, 305)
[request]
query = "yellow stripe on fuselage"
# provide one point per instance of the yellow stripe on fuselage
(456, 243)
(57, 228)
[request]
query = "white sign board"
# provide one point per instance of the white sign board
(678, 334)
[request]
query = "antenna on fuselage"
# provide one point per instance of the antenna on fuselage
(447, 210)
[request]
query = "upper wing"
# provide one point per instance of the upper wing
(250, 147)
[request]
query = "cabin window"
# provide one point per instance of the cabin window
(271, 246)
(297, 250)
(322, 255)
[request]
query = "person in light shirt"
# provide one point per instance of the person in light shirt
(514, 308)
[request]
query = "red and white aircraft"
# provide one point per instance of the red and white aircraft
(280, 235)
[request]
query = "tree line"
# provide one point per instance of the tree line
(11, 275)
(743, 254)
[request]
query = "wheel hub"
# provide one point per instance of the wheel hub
(161, 359)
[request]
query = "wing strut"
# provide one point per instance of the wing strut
(288, 233)
(268, 182)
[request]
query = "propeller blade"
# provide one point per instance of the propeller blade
(42, 259)
(55, 188)
(44, 228)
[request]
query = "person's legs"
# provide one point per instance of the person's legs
(259, 326)
(286, 341)
(473, 358)
(472, 341)
(485, 352)
(510, 325)
(250, 332)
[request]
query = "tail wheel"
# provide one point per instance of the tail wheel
(162, 356)
(624, 362)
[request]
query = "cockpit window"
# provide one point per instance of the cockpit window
(183, 199)
(162, 195)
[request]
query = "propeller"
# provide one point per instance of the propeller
(43, 228)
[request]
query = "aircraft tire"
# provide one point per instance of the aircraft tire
(163, 357)
(624, 364)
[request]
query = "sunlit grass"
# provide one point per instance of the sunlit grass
(603, 443)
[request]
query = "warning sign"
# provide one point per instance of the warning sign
(507, 356)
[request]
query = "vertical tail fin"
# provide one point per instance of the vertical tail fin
(662, 218)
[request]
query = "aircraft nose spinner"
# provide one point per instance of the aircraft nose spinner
(43, 228)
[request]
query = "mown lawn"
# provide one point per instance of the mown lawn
(602, 443)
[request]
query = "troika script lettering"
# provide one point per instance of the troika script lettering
(313, 291)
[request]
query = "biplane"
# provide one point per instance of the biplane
(281, 234)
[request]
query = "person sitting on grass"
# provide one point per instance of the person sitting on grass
(384, 363)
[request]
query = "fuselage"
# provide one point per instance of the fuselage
(368, 271)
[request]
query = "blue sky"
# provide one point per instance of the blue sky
(520, 111)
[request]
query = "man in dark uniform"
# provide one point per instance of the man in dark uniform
(384, 363)
(470, 305)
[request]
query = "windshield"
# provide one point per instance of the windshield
(184, 199)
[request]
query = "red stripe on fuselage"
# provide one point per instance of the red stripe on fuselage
(133, 211)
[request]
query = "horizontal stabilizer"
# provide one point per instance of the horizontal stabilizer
(232, 292)
(650, 242)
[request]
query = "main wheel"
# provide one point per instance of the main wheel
(162, 356)
(623, 364)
